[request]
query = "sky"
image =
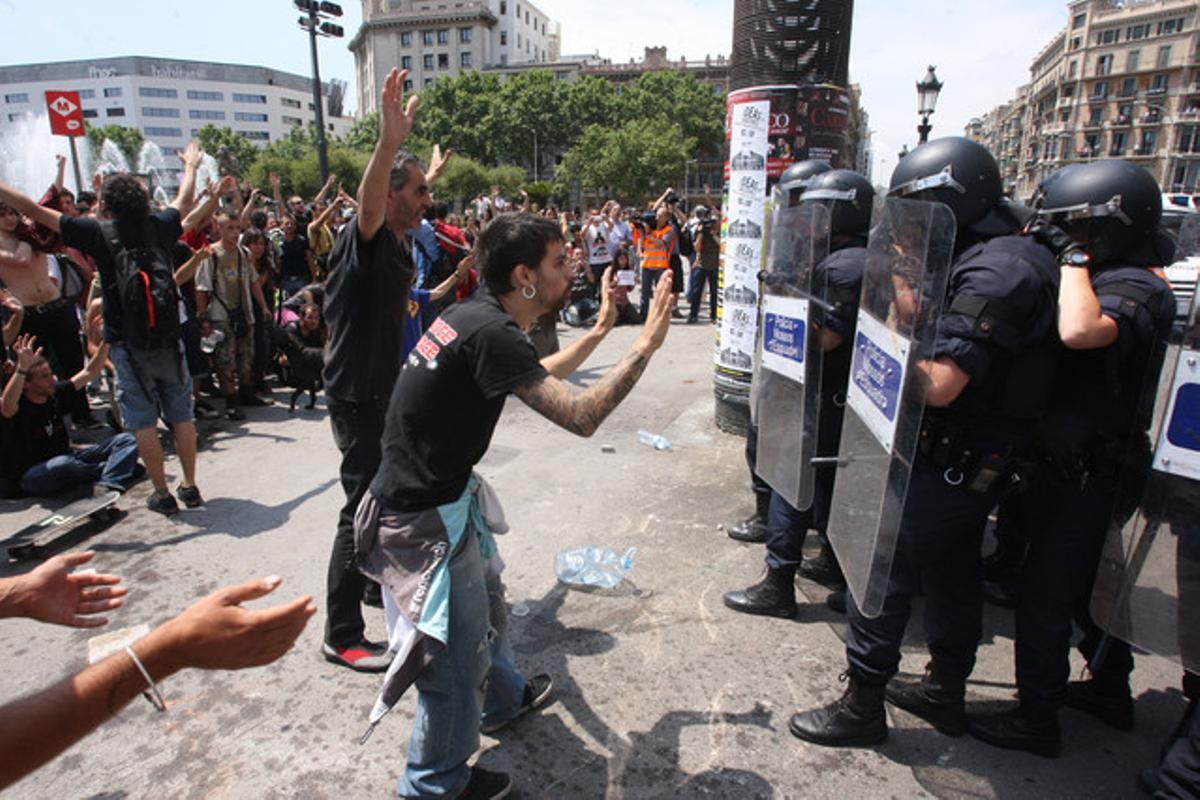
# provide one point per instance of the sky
(981, 49)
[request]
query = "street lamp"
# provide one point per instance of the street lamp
(928, 90)
(317, 24)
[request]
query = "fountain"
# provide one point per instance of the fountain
(208, 171)
(111, 159)
(152, 166)
(27, 151)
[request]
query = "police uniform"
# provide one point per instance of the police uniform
(997, 326)
(1096, 407)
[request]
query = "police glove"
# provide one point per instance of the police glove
(1055, 239)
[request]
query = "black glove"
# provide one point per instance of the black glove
(1054, 238)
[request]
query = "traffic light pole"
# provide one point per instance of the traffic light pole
(322, 154)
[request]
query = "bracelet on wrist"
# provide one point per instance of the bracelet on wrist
(151, 694)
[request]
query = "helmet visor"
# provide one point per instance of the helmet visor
(1111, 209)
(845, 195)
(939, 180)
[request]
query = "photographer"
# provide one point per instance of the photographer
(705, 266)
(658, 240)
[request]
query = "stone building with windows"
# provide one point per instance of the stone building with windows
(432, 39)
(1121, 80)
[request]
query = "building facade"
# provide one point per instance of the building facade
(1121, 80)
(435, 39)
(169, 101)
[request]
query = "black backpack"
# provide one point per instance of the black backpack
(146, 287)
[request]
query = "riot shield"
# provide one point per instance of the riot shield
(909, 254)
(1147, 589)
(787, 377)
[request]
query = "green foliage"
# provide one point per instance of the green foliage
(509, 179)
(539, 192)
(212, 139)
(679, 97)
(632, 162)
(455, 113)
(463, 179)
(128, 139)
(363, 135)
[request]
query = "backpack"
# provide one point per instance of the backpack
(146, 287)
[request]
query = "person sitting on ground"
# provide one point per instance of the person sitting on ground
(303, 355)
(38, 458)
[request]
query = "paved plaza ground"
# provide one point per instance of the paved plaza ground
(660, 690)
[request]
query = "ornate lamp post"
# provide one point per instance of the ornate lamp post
(928, 90)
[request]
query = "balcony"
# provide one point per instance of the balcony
(1092, 124)
(1156, 91)
(1065, 102)
(1143, 152)
(1151, 119)
(1116, 152)
(1097, 98)
(1122, 121)
(1088, 152)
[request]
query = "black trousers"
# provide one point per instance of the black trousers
(762, 489)
(358, 433)
(57, 330)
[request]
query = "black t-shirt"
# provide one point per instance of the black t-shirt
(292, 262)
(447, 401)
(366, 299)
(161, 230)
(35, 434)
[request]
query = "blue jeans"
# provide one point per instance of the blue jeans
(110, 463)
(649, 281)
(472, 679)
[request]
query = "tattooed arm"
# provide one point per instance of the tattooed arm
(581, 413)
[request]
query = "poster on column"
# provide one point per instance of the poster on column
(748, 123)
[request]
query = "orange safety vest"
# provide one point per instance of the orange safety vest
(656, 250)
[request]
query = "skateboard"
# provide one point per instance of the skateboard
(39, 538)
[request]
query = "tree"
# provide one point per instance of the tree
(591, 100)
(363, 135)
(509, 179)
(681, 98)
(129, 140)
(458, 113)
(463, 179)
(212, 139)
(633, 162)
(531, 107)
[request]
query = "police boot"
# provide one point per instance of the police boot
(1106, 697)
(773, 596)
(856, 719)
(754, 528)
(824, 569)
(936, 699)
(837, 600)
(1020, 728)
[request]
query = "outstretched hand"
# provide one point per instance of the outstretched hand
(217, 633)
(607, 317)
(54, 593)
(26, 354)
(658, 316)
(395, 116)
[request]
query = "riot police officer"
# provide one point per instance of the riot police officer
(837, 282)
(753, 529)
(1114, 317)
(985, 381)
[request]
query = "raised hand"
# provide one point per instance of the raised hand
(274, 179)
(395, 115)
(658, 316)
(26, 355)
(54, 593)
(437, 162)
(191, 157)
(227, 185)
(10, 301)
(608, 303)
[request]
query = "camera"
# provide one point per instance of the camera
(672, 198)
(648, 218)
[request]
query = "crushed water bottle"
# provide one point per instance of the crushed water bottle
(593, 566)
(655, 440)
(210, 343)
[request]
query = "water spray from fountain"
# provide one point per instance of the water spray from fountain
(27, 151)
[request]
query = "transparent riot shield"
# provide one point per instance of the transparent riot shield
(904, 284)
(1147, 589)
(787, 373)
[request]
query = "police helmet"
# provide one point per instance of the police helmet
(796, 178)
(955, 171)
(849, 197)
(1117, 204)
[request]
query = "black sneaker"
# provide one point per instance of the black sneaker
(486, 785)
(190, 495)
(162, 503)
(537, 692)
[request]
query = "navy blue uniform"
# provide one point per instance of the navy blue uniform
(841, 274)
(998, 326)
(1098, 404)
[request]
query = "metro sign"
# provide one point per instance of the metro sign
(66, 114)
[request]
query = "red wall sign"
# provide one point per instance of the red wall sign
(66, 114)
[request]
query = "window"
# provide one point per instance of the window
(197, 94)
(408, 85)
(1132, 60)
(1149, 142)
(154, 91)
(246, 116)
(1138, 32)
(289, 102)
(249, 98)
(168, 113)
(19, 97)
(1124, 115)
(166, 133)
(503, 7)
(1188, 140)
(1104, 64)
(428, 82)
(427, 61)
(114, 112)
(292, 121)
(443, 61)
(1072, 69)
(527, 16)
(427, 38)
(203, 113)
(20, 115)
(87, 94)
(518, 41)
(1069, 91)
(465, 59)
(1164, 57)
(1108, 37)
(406, 38)
(1118, 144)
(1128, 87)
(443, 36)
(1167, 27)
(405, 62)
(464, 35)
(256, 136)
(1076, 42)
(1079, 21)
(504, 38)
(1091, 144)
(1158, 85)
(90, 113)
(1100, 89)
(1096, 118)
(112, 91)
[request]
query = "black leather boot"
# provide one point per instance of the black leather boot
(857, 719)
(935, 698)
(754, 528)
(837, 601)
(773, 596)
(1020, 728)
(824, 569)
(1107, 698)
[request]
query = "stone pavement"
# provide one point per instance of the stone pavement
(660, 691)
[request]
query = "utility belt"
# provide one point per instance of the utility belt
(1103, 458)
(978, 469)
